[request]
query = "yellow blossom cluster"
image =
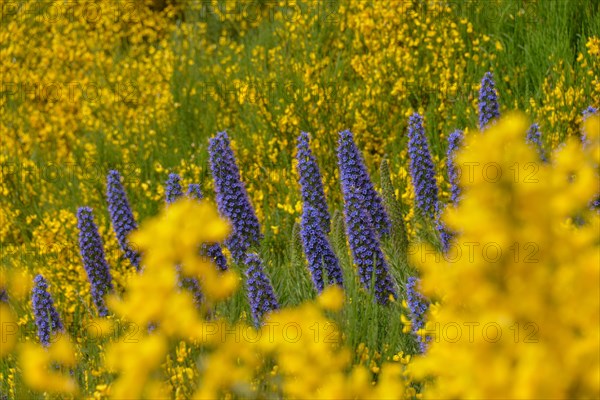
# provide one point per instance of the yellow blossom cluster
(519, 315)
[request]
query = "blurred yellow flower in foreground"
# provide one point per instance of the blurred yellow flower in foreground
(332, 298)
(519, 297)
(9, 329)
(38, 363)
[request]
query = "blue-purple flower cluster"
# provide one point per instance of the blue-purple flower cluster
(215, 253)
(421, 167)
(489, 110)
(445, 234)
(232, 200)
(372, 266)
(319, 254)
(173, 189)
(94, 261)
(194, 191)
(47, 319)
(192, 284)
(417, 305)
(454, 142)
(356, 182)
(588, 112)
(121, 216)
(534, 138)
(311, 183)
(261, 295)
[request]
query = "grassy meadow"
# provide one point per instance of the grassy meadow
(141, 86)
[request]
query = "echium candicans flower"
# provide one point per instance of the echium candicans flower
(319, 254)
(192, 284)
(454, 142)
(215, 253)
(47, 319)
(489, 110)
(194, 191)
(311, 182)
(232, 200)
(588, 112)
(355, 178)
(366, 250)
(261, 295)
(534, 138)
(421, 166)
(94, 261)
(211, 250)
(121, 216)
(417, 305)
(445, 234)
(173, 189)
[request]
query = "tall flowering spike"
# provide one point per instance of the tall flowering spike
(417, 305)
(454, 142)
(311, 182)
(489, 110)
(173, 189)
(366, 250)
(232, 199)
(354, 176)
(194, 191)
(319, 253)
(444, 233)
(534, 138)
(215, 253)
(46, 317)
(421, 166)
(121, 216)
(260, 292)
(94, 261)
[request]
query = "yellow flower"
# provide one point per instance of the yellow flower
(10, 329)
(508, 303)
(38, 373)
(332, 298)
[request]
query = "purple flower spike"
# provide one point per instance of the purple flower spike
(173, 189)
(121, 216)
(355, 179)
(311, 182)
(47, 319)
(418, 305)
(232, 199)
(94, 261)
(260, 291)
(489, 110)
(366, 251)
(319, 253)
(421, 166)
